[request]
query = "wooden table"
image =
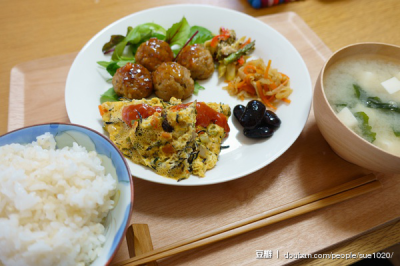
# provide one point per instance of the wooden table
(44, 28)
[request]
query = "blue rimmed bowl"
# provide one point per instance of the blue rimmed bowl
(118, 219)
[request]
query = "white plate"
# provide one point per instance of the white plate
(86, 82)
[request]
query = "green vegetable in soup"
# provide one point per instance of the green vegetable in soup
(366, 129)
(374, 102)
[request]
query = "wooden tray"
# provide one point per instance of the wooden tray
(176, 213)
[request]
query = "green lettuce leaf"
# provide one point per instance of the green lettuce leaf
(136, 36)
(178, 33)
(114, 40)
(197, 87)
(109, 96)
(201, 37)
(112, 66)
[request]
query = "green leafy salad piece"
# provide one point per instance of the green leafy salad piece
(366, 129)
(109, 96)
(136, 36)
(178, 34)
(202, 35)
(197, 88)
(112, 66)
(374, 102)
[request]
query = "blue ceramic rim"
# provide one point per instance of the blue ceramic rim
(122, 157)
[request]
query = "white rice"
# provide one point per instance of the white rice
(52, 204)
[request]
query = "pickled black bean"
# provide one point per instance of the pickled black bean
(258, 132)
(252, 115)
(238, 111)
(271, 120)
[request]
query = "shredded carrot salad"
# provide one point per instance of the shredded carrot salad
(257, 80)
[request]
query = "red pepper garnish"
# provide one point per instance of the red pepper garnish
(241, 60)
(225, 34)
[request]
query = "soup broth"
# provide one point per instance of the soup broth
(354, 90)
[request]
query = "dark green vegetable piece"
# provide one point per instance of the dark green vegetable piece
(374, 102)
(235, 56)
(114, 40)
(365, 127)
(109, 96)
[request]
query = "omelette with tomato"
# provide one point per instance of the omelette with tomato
(174, 139)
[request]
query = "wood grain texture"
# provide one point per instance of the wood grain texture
(307, 167)
(139, 241)
(305, 205)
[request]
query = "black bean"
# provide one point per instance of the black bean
(238, 111)
(253, 114)
(271, 120)
(258, 132)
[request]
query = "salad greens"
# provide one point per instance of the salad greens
(109, 96)
(197, 88)
(177, 36)
(202, 35)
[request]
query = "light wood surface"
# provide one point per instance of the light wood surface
(44, 28)
(138, 240)
(305, 205)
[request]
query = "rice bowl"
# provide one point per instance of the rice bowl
(55, 200)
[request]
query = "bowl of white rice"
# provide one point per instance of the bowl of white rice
(66, 196)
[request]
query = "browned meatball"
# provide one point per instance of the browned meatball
(152, 53)
(133, 81)
(198, 60)
(172, 80)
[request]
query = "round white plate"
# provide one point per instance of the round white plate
(86, 81)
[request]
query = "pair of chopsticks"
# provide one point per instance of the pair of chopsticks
(310, 203)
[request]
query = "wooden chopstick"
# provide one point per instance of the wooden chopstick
(310, 203)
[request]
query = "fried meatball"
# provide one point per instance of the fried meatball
(152, 53)
(132, 81)
(172, 80)
(198, 60)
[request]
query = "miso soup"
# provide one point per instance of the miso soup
(365, 94)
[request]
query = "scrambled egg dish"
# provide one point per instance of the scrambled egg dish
(172, 138)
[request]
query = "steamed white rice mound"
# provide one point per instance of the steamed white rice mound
(52, 204)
